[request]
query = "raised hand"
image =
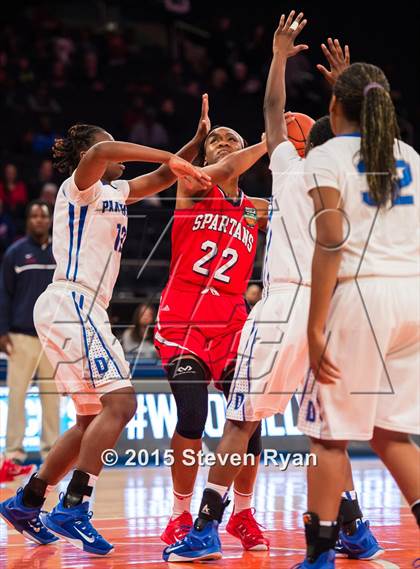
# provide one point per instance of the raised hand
(189, 173)
(289, 117)
(204, 124)
(338, 60)
(287, 32)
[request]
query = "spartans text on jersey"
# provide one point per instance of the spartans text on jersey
(225, 224)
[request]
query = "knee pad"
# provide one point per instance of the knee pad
(255, 442)
(187, 378)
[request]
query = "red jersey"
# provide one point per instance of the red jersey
(214, 244)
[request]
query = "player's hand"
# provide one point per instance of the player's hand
(195, 186)
(264, 139)
(289, 117)
(6, 344)
(189, 173)
(204, 124)
(323, 368)
(286, 33)
(338, 60)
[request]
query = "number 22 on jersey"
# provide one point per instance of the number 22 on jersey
(230, 254)
(405, 178)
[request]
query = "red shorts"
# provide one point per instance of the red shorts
(206, 324)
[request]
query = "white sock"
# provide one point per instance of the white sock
(222, 490)
(327, 523)
(349, 495)
(241, 501)
(182, 503)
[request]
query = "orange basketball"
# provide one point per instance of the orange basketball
(298, 130)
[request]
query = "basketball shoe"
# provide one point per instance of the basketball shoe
(325, 561)
(73, 525)
(25, 520)
(177, 528)
(360, 545)
(246, 528)
(10, 470)
(202, 543)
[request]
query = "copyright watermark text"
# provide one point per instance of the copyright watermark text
(269, 457)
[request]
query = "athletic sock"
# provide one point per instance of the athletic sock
(80, 488)
(415, 508)
(182, 503)
(350, 512)
(34, 492)
(222, 490)
(320, 535)
(241, 501)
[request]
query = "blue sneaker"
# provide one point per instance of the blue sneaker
(360, 545)
(325, 561)
(197, 545)
(73, 525)
(25, 520)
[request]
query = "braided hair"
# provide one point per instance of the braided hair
(363, 91)
(66, 151)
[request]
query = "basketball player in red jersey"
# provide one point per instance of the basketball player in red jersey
(201, 315)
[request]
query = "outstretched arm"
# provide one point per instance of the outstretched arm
(235, 164)
(275, 93)
(164, 177)
(93, 164)
(338, 60)
(232, 166)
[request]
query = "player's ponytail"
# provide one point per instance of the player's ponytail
(363, 91)
(66, 151)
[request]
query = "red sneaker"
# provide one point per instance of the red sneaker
(246, 528)
(177, 528)
(9, 470)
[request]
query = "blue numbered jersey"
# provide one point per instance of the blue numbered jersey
(89, 231)
(380, 241)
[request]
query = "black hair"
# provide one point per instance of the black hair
(201, 157)
(33, 203)
(66, 151)
(364, 93)
(320, 132)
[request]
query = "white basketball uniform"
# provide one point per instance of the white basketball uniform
(273, 356)
(374, 319)
(70, 317)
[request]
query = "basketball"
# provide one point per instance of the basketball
(298, 131)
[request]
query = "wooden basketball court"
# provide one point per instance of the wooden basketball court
(132, 506)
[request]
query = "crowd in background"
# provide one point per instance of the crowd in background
(139, 72)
